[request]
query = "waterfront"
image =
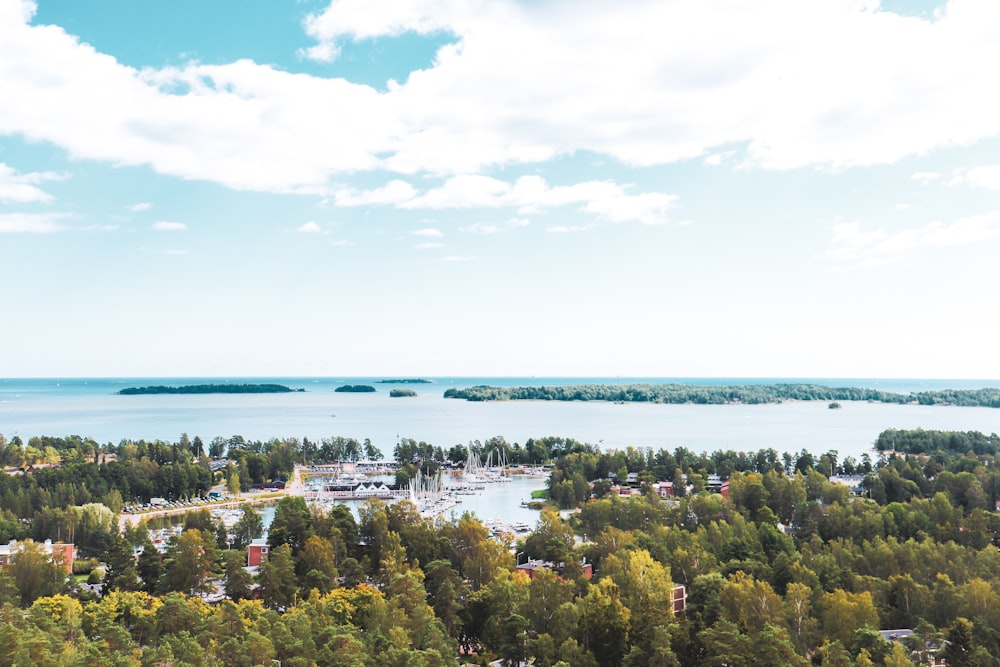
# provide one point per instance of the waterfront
(494, 503)
(90, 408)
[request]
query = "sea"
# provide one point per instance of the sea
(91, 407)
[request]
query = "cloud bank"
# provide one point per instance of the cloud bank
(832, 83)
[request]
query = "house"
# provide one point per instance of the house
(532, 567)
(625, 491)
(664, 489)
(372, 490)
(853, 482)
(257, 553)
(58, 553)
(923, 652)
(713, 484)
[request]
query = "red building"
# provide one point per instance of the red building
(58, 553)
(257, 553)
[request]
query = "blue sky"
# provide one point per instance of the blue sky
(458, 187)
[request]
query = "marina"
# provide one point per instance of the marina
(504, 494)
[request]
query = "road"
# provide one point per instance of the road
(294, 487)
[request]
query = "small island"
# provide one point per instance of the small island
(401, 393)
(406, 381)
(355, 388)
(210, 389)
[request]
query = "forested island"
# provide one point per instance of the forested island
(785, 559)
(406, 381)
(210, 389)
(723, 394)
(355, 388)
(401, 393)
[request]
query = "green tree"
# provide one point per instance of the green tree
(248, 527)
(189, 564)
(238, 580)
(277, 578)
(750, 603)
(646, 589)
(34, 572)
(233, 484)
(604, 623)
(316, 564)
(844, 612)
(959, 650)
(292, 524)
(725, 644)
(551, 540)
(150, 567)
(121, 573)
(898, 657)
(798, 618)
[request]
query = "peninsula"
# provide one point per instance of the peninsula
(210, 389)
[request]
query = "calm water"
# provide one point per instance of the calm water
(90, 407)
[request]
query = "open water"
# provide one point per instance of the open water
(90, 407)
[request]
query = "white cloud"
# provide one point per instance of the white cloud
(167, 226)
(309, 228)
(141, 206)
(568, 229)
(987, 177)
(852, 244)
(428, 231)
(428, 245)
(393, 192)
(177, 252)
(340, 243)
(21, 188)
(649, 208)
(647, 82)
(926, 177)
(32, 223)
(487, 228)
(324, 53)
(532, 193)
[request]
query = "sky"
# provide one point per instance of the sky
(651, 188)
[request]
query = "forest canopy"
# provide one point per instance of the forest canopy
(783, 564)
